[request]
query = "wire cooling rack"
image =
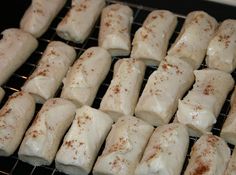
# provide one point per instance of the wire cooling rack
(12, 165)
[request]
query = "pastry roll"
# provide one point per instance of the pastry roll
(2, 93)
(165, 152)
(164, 88)
(15, 116)
(231, 168)
(86, 75)
(221, 52)
(228, 131)
(83, 141)
(79, 21)
(114, 34)
(151, 40)
(209, 156)
(201, 106)
(15, 47)
(122, 94)
(42, 139)
(124, 147)
(46, 79)
(194, 37)
(39, 15)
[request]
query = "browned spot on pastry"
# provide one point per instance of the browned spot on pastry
(80, 122)
(69, 143)
(38, 11)
(119, 145)
(145, 36)
(212, 139)
(116, 89)
(156, 150)
(5, 111)
(200, 169)
(208, 90)
(89, 54)
(225, 39)
(165, 67)
(16, 95)
(107, 24)
(197, 18)
(116, 162)
(154, 17)
(35, 133)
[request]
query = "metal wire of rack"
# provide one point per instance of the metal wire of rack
(12, 165)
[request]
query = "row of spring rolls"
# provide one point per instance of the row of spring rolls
(34, 150)
(150, 41)
(131, 146)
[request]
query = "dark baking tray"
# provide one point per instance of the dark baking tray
(11, 12)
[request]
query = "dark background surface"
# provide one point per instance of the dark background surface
(11, 11)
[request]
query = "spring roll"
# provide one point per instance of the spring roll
(165, 152)
(42, 139)
(122, 94)
(151, 40)
(228, 131)
(201, 106)
(46, 79)
(231, 168)
(15, 116)
(194, 37)
(159, 99)
(209, 156)
(124, 147)
(79, 21)
(2, 93)
(83, 141)
(114, 34)
(221, 52)
(15, 47)
(39, 15)
(86, 75)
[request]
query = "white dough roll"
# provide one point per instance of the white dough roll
(195, 35)
(151, 40)
(165, 152)
(124, 147)
(201, 106)
(79, 21)
(2, 93)
(42, 139)
(38, 17)
(221, 52)
(15, 48)
(164, 88)
(83, 141)
(231, 168)
(86, 75)
(15, 117)
(209, 156)
(114, 33)
(228, 131)
(123, 91)
(51, 69)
